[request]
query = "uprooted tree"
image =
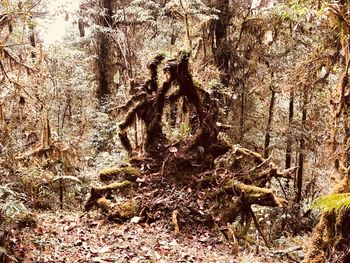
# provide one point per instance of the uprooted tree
(201, 178)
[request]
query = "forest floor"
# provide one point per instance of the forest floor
(70, 237)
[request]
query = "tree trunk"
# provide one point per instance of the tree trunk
(32, 41)
(188, 34)
(219, 39)
(269, 122)
(105, 63)
(81, 27)
(289, 135)
(299, 179)
(2, 117)
(242, 120)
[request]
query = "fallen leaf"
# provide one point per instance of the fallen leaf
(70, 228)
(96, 259)
(162, 242)
(104, 249)
(135, 220)
(78, 242)
(173, 243)
(173, 149)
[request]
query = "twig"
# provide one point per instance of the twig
(283, 252)
(4, 71)
(176, 222)
(243, 27)
(261, 164)
(284, 192)
(258, 228)
(14, 45)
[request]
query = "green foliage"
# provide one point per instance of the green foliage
(140, 11)
(31, 183)
(151, 11)
(185, 130)
(294, 9)
(332, 202)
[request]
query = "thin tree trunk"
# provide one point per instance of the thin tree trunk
(289, 135)
(204, 44)
(32, 38)
(2, 117)
(301, 161)
(105, 58)
(242, 120)
(187, 25)
(219, 39)
(128, 52)
(67, 113)
(269, 122)
(81, 27)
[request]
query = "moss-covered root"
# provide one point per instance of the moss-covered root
(246, 195)
(98, 192)
(119, 212)
(263, 170)
(253, 194)
(316, 253)
(121, 173)
(330, 238)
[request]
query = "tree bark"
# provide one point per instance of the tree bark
(289, 136)
(301, 160)
(105, 63)
(32, 41)
(187, 25)
(269, 122)
(81, 27)
(242, 119)
(219, 39)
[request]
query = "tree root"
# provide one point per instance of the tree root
(202, 177)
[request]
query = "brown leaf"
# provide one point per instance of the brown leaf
(173, 149)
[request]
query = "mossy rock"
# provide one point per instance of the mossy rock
(113, 186)
(124, 173)
(119, 212)
(105, 205)
(125, 211)
(97, 193)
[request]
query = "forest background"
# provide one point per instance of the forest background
(277, 71)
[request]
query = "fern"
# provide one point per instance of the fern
(332, 202)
